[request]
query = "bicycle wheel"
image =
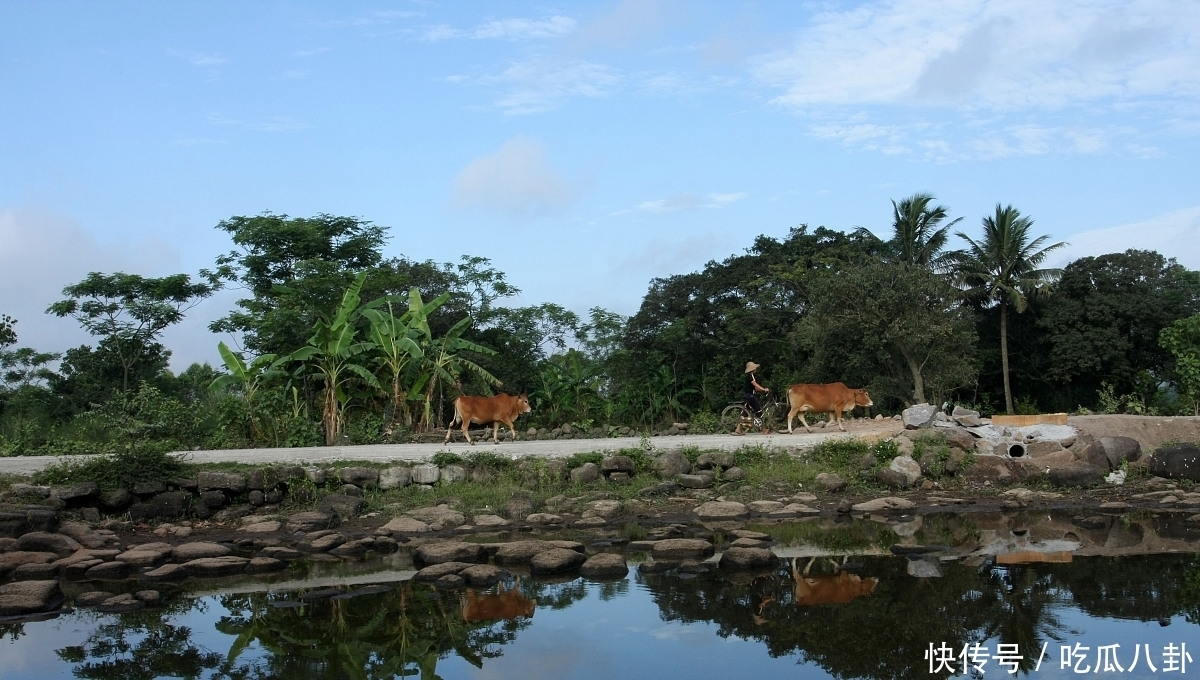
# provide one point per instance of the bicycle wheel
(734, 415)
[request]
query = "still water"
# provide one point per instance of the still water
(1050, 597)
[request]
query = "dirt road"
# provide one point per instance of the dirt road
(558, 448)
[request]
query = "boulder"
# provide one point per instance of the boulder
(396, 477)
(604, 566)
(185, 552)
(715, 461)
(830, 481)
(439, 517)
(672, 463)
(363, 477)
(588, 472)
(556, 561)
(450, 551)
(907, 467)
(1121, 449)
(216, 566)
(919, 416)
(739, 558)
(305, 522)
(721, 510)
(223, 481)
(342, 505)
(1176, 462)
(426, 473)
(1076, 474)
(682, 549)
(40, 541)
(613, 464)
(29, 597)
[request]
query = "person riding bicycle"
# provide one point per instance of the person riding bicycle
(751, 395)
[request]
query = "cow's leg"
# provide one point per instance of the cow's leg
(511, 429)
(804, 422)
(791, 414)
(837, 416)
(496, 432)
(466, 423)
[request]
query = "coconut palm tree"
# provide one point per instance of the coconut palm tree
(916, 234)
(1003, 268)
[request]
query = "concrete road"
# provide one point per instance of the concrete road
(556, 448)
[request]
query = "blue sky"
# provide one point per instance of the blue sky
(584, 147)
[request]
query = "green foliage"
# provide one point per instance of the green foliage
(121, 469)
(704, 422)
(578, 459)
(444, 458)
(489, 461)
(1182, 340)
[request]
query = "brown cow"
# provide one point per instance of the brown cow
(502, 408)
(505, 605)
(839, 589)
(832, 398)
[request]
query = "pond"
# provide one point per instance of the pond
(1052, 595)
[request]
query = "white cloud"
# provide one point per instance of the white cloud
(540, 84)
(518, 181)
(202, 59)
(1175, 234)
(272, 124)
(505, 29)
(1000, 55)
(688, 202)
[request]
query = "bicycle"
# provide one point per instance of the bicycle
(739, 413)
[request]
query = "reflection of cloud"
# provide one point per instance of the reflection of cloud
(1175, 234)
(517, 180)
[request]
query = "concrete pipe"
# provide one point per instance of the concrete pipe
(1016, 450)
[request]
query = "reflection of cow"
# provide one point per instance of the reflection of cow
(502, 408)
(505, 605)
(839, 589)
(831, 398)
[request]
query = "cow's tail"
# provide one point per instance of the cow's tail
(457, 416)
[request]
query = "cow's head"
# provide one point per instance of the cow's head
(523, 400)
(861, 398)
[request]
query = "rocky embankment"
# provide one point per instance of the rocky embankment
(77, 545)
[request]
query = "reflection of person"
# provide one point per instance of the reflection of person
(751, 395)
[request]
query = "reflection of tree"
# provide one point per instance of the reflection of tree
(401, 631)
(1144, 588)
(1023, 601)
(143, 645)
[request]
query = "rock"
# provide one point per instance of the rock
(40, 541)
(586, 473)
(482, 575)
(490, 521)
(436, 571)
(266, 527)
(885, 504)
(452, 473)
(167, 572)
(830, 481)
(604, 566)
(363, 477)
(919, 416)
(404, 526)
(1076, 474)
(75, 493)
(167, 505)
(522, 552)
(1120, 449)
(109, 571)
(715, 461)
(426, 473)
(556, 561)
(146, 555)
(764, 507)
(747, 558)
(396, 477)
(306, 522)
(613, 464)
(29, 597)
(721, 510)
(892, 478)
(439, 517)
(602, 509)
(991, 468)
(1176, 462)
(682, 549)
(223, 481)
(342, 505)
(321, 541)
(697, 481)
(907, 467)
(544, 518)
(672, 463)
(186, 552)
(450, 551)
(216, 566)
(733, 474)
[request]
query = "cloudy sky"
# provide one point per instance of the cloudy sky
(584, 147)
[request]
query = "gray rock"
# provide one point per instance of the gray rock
(907, 467)
(682, 549)
(885, 504)
(482, 575)
(556, 561)
(892, 479)
(213, 499)
(672, 463)
(306, 522)
(396, 477)
(604, 566)
(263, 479)
(452, 473)
(362, 477)
(426, 473)
(522, 552)
(234, 482)
(588, 472)
(75, 493)
(404, 526)
(613, 464)
(715, 461)
(436, 571)
(439, 518)
(206, 567)
(1176, 462)
(1076, 474)
(1121, 449)
(342, 505)
(109, 571)
(721, 510)
(733, 474)
(167, 572)
(450, 551)
(29, 597)
(747, 558)
(702, 480)
(167, 505)
(185, 552)
(40, 541)
(919, 416)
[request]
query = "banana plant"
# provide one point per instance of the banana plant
(396, 345)
(333, 353)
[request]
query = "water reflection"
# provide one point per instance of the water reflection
(854, 600)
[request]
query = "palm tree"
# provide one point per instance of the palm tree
(1003, 267)
(916, 234)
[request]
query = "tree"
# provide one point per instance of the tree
(293, 269)
(912, 330)
(1182, 340)
(1103, 323)
(397, 346)
(917, 237)
(8, 334)
(1003, 268)
(128, 312)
